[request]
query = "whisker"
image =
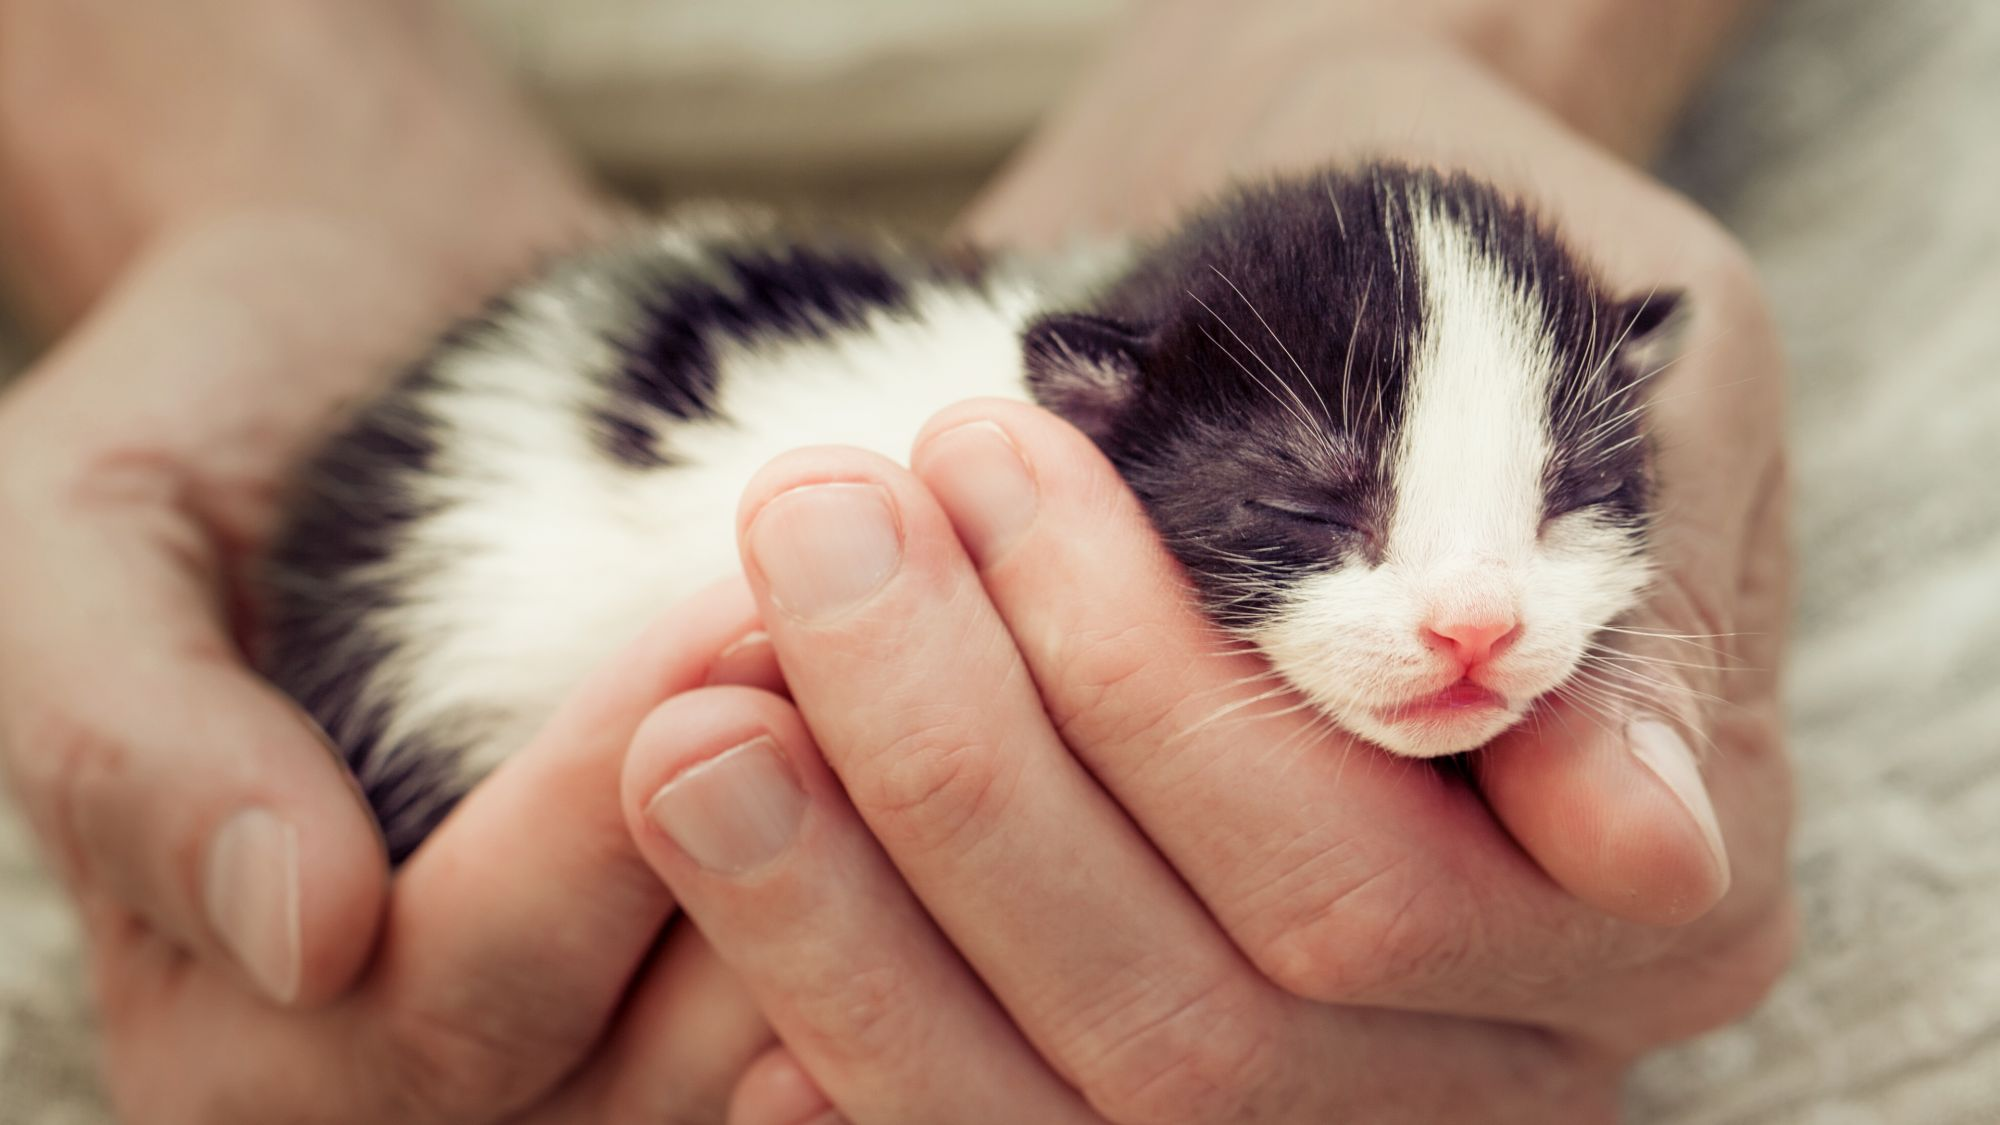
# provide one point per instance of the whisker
(1224, 712)
(1690, 637)
(1632, 679)
(1338, 218)
(1347, 368)
(1612, 351)
(1650, 403)
(1296, 412)
(1599, 652)
(1324, 410)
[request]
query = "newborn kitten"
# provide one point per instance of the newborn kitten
(1388, 423)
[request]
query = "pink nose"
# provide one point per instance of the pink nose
(1473, 640)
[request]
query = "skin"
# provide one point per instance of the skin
(1206, 960)
(226, 292)
(1025, 693)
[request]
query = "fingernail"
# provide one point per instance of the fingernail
(735, 812)
(825, 548)
(251, 892)
(749, 662)
(1664, 752)
(979, 476)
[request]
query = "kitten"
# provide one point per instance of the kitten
(1390, 425)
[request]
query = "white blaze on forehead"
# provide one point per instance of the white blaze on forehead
(1469, 463)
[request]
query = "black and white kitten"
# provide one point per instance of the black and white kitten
(1388, 422)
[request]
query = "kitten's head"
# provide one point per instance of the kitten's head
(1392, 428)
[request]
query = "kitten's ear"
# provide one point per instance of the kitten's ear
(1650, 331)
(1085, 368)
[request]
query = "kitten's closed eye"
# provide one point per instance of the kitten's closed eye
(1587, 490)
(1305, 512)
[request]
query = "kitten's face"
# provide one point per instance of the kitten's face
(1427, 602)
(1423, 512)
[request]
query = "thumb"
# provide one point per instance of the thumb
(164, 778)
(1604, 785)
(167, 778)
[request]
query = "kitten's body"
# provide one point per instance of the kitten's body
(1352, 404)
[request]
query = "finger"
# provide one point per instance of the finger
(1604, 787)
(512, 937)
(518, 925)
(1346, 875)
(162, 774)
(826, 935)
(749, 662)
(733, 807)
(683, 1041)
(942, 743)
(776, 1090)
(1626, 797)
(1612, 791)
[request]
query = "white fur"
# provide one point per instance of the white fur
(552, 556)
(1466, 539)
(545, 555)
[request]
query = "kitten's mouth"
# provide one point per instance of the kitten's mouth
(1461, 701)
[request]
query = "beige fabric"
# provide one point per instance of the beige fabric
(673, 89)
(1852, 146)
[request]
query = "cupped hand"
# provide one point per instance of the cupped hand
(252, 960)
(1028, 841)
(142, 462)
(250, 214)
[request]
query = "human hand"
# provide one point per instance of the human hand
(299, 251)
(1038, 863)
(291, 200)
(1287, 926)
(136, 472)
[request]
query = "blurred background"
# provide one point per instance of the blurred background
(1851, 144)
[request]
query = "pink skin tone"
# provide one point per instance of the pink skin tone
(1242, 921)
(1268, 875)
(1465, 643)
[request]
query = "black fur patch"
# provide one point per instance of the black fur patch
(349, 515)
(748, 293)
(1281, 327)
(353, 505)
(1278, 333)
(1596, 406)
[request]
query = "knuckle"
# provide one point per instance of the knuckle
(436, 1068)
(1102, 677)
(1375, 936)
(1758, 962)
(933, 785)
(455, 1063)
(866, 1016)
(1208, 1054)
(64, 766)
